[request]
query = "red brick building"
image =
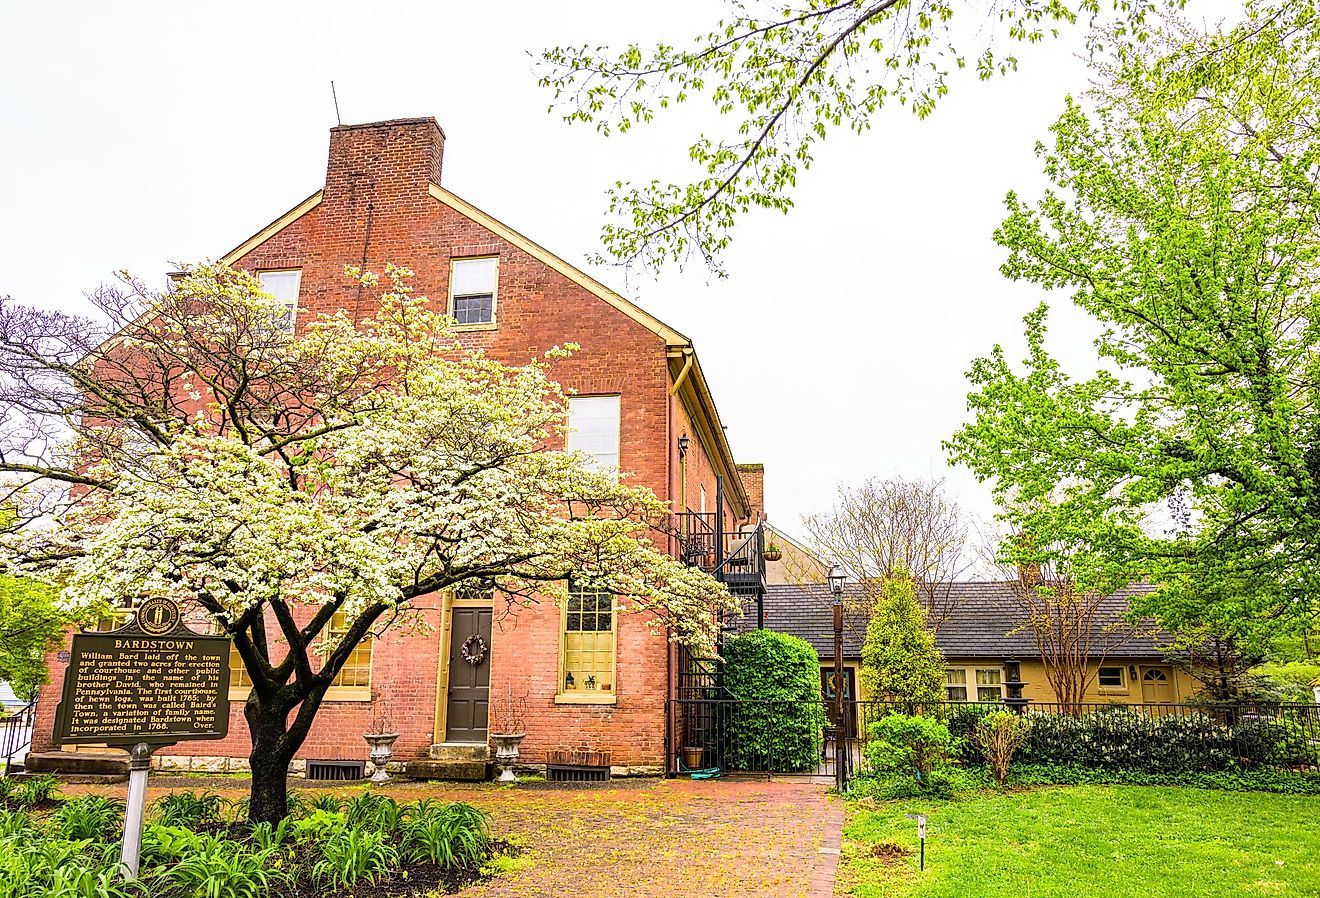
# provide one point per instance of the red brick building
(640, 403)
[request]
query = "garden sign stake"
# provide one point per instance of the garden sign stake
(921, 835)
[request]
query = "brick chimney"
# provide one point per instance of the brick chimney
(386, 164)
(753, 478)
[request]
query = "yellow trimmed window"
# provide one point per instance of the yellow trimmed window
(356, 672)
(588, 646)
(238, 672)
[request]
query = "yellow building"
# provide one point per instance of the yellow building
(984, 634)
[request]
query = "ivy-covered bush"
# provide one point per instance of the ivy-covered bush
(779, 721)
(1125, 740)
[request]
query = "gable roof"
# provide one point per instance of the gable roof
(695, 393)
(982, 620)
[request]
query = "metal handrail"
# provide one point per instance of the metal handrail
(17, 730)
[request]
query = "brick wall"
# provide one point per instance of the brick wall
(753, 478)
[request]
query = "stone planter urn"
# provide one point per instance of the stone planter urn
(506, 754)
(382, 749)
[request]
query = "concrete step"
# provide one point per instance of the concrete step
(80, 779)
(66, 764)
(431, 769)
(459, 751)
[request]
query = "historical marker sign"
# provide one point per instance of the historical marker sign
(152, 681)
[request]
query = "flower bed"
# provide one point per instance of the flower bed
(200, 844)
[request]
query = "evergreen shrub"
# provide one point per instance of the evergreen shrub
(778, 722)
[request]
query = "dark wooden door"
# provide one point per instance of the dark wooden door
(469, 684)
(849, 696)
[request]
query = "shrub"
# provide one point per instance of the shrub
(189, 809)
(1121, 739)
(913, 746)
(35, 790)
(998, 735)
(779, 721)
(458, 835)
(91, 817)
(351, 856)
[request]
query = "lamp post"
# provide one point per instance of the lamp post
(840, 730)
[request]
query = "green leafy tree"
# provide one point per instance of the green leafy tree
(30, 626)
(783, 75)
(899, 659)
(1182, 219)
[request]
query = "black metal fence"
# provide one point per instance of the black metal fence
(800, 737)
(16, 737)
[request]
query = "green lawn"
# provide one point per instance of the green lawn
(1083, 841)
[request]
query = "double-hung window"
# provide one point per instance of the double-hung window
(354, 678)
(979, 684)
(472, 288)
(283, 286)
(593, 428)
(587, 647)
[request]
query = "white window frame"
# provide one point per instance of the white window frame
(494, 291)
(291, 316)
(576, 441)
(972, 685)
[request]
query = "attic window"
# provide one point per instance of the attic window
(472, 284)
(283, 287)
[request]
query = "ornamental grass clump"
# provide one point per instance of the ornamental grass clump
(999, 735)
(457, 835)
(93, 817)
(191, 809)
(351, 856)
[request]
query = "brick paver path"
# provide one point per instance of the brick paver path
(641, 839)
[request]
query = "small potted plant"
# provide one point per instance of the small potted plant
(772, 552)
(508, 728)
(380, 740)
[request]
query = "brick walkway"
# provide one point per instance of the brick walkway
(672, 839)
(645, 839)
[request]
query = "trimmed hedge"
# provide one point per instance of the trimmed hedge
(779, 721)
(1120, 739)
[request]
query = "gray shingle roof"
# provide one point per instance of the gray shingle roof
(981, 623)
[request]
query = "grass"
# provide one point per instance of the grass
(1082, 841)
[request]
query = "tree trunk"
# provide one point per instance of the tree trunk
(272, 750)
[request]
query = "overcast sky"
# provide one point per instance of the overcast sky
(137, 134)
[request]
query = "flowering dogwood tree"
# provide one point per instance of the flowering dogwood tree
(275, 479)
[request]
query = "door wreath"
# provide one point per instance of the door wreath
(473, 650)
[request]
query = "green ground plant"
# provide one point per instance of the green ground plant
(72, 851)
(93, 817)
(190, 809)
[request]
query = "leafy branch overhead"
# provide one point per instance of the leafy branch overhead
(1182, 220)
(783, 75)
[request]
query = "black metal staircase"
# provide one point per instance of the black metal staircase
(736, 559)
